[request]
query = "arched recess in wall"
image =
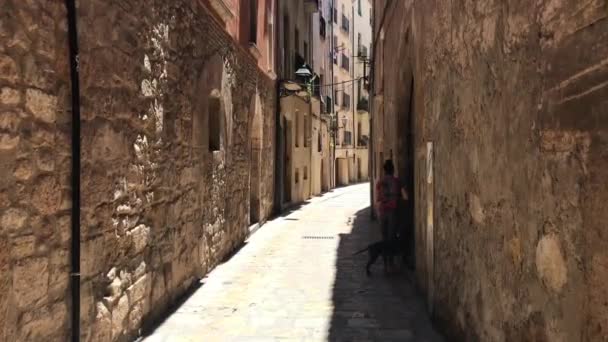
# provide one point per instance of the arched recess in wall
(256, 138)
(209, 111)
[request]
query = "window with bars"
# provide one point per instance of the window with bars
(345, 100)
(345, 62)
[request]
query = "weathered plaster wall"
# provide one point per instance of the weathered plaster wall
(293, 107)
(34, 172)
(514, 96)
(159, 209)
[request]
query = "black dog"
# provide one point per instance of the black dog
(387, 249)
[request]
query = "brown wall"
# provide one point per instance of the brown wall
(514, 97)
(159, 210)
(34, 172)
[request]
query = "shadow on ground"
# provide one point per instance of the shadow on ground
(376, 308)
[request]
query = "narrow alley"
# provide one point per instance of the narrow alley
(296, 280)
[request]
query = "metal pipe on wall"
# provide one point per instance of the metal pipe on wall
(75, 181)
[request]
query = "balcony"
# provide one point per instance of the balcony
(363, 104)
(311, 6)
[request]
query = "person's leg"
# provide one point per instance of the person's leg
(384, 222)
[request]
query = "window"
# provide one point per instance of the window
(253, 21)
(297, 41)
(335, 13)
(286, 57)
(305, 131)
(297, 176)
(359, 44)
(297, 135)
(359, 131)
(336, 97)
(305, 172)
(345, 62)
(319, 142)
(329, 104)
(345, 100)
(359, 7)
(322, 29)
(348, 138)
(214, 121)
(305, 51)
(345, 23)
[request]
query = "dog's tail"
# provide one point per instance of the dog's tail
(361, 251)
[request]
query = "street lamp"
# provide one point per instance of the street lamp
(304, 72)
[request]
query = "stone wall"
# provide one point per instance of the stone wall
(34, 172)
(159, 207)
(514, 97)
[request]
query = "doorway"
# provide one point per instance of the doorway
(287, 138)
(255, 162)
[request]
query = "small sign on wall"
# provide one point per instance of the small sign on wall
(430, 225)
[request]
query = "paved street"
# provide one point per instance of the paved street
(296, 280)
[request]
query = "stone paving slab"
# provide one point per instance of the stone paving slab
(297, 280)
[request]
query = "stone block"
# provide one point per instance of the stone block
(43, 106)
(9, 121)
(30, 281)
(119, 316)
(140, 289)
(24, 170)
(93, 256)
(47, 195)
(44, 323)
(13, 220)
(140, 236)
(550, 263)
(102, 330)
(23, 246)
(8, 141)
(8, 69)
(9, 96)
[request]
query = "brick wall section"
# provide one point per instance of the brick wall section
(34, 172)
(515, 99)
(159, 210)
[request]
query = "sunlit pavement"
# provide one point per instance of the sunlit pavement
(296, 280)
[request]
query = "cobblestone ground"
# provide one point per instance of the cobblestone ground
(297, 280)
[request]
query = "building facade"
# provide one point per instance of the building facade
(496, 119)
(178, 103)
(302, 127)
(351, 39)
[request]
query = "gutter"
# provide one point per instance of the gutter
(76, 164)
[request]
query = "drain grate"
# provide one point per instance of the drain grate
(318, 237)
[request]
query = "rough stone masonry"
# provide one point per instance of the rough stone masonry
(160, 206)
(514, 97)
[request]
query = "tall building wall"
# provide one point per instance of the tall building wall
(495, 114)
(168, 103)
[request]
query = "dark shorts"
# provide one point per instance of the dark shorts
(389, 225)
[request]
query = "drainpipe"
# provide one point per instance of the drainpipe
(371, 102)
(75, 184)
